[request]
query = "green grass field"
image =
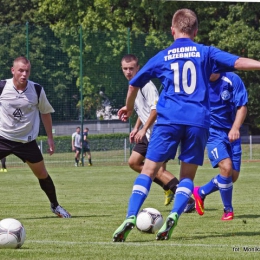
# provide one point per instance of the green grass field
(97, 199)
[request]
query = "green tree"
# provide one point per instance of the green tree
(49, 63)
(112, 28)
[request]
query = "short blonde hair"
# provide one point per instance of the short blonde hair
(185, 21)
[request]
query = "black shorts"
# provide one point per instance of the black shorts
(77, 149)
(86, 149)
(141, 147)
(25, 151)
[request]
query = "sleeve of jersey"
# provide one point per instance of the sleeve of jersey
(223, 61)
(144, 75)
(44, 105)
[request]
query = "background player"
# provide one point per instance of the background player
(76, 145)
(228, 100)
(85, 146)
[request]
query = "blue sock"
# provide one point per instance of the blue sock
(208, 188)
(182, 195)
(140, 191)
(225, 188)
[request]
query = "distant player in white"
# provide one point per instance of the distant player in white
(145, 107)
(76, 145)
(21, 100)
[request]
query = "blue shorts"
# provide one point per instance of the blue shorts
(220, 148)
(165, 140)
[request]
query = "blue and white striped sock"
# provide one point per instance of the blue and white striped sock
(182, 195)
(209, 187)
(225, 186)
(140, 191)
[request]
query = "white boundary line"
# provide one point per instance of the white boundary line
(131, 244)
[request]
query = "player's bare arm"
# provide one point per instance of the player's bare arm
(125, 112)
(247, 64)
(150, 121)
(234, 133)
(47, 122)
(135, 130)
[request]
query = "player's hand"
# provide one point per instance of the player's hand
(51, 146)
(132, 135)
(233, 135)
(139, 136)
(124, 114)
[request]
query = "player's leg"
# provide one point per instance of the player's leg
(6, 147)
(31, 154)
(143, 181)
(219, 154)
(76, 156)
(140, 191)
(89, 158)
(193, 144)
(225, 185)
(169, 182)
(3, 162)
(48, 187)
(236, 159)
(136, 159)
(182, 196)
(216, 148)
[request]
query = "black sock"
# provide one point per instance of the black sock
(3, 163)
(172, 185)
(89, 160)
(48, 187)
(158, 182)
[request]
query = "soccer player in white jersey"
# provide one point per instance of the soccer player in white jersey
(145, 107)
(19, 126)
(228, 109)
(76, 145)
(183, 114)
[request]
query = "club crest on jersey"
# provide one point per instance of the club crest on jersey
(18, 113)
(225, 95)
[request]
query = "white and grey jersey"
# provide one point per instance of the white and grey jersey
(19, 111)
(146, 100)
(76, 139)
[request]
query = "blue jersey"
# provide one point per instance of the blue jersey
(184, 69)
(226, 94)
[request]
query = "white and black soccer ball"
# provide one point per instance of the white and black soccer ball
(12, 233)
(149, 220)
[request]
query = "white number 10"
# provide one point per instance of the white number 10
(188, 66)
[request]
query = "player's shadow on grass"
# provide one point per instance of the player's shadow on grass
(74, 216)
(233, 234)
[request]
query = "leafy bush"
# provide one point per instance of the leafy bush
(99, 142)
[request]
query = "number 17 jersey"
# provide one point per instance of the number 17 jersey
(184, 69)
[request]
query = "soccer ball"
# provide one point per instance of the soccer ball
(12, 233)
(149, 220)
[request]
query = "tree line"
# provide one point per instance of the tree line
(48, 31)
